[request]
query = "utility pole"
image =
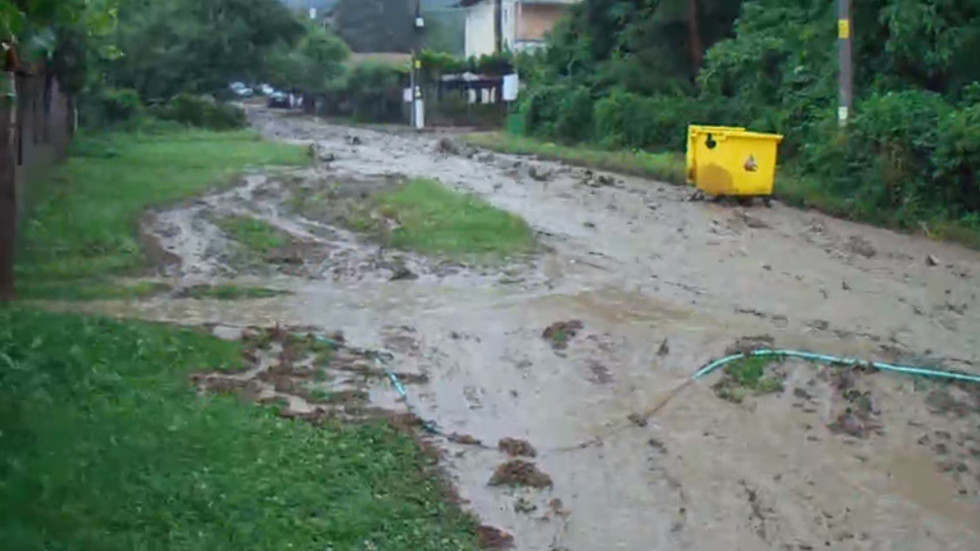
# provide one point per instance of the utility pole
(846, 68)
(498, 26)
(418, 104)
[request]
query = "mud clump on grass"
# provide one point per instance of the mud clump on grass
(489, 537)
(560, 332)
(858, 416)
(516, 447)
(518, 472)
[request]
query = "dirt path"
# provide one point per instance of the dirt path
(661, 286)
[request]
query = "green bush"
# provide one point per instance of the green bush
(202, 112)
(111, 107)
(573, 115)
(374, 92)
(957, 159)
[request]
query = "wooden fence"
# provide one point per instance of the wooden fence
(37, 120)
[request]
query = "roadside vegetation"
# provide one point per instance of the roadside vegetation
(82, 226)
(910, 158)
(104, 445)
(667, 167)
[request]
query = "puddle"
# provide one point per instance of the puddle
(660, 286)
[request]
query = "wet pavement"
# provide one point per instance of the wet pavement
(661, 286)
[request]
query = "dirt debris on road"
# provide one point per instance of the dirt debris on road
(518, 472)
(516, 447)
(903, 467)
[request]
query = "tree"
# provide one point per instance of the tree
(196, 46)
(311, 65)
(376, 25)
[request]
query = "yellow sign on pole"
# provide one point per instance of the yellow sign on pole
(844, 29)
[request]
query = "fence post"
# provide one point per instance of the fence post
(8, 193)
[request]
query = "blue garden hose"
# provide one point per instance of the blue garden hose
(824, 358)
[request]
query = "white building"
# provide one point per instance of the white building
(523, 23)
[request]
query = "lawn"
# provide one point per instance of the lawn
(83, 215)
(433, 219)
(667, 167)
(104, 445)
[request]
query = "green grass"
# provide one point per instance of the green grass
(258, 236)
(229, 292)
(747, 376)
(83, 215)
(104, 445)
(81, 290)
(667, 167)
(436, 220)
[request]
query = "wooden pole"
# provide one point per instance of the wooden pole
(8, 194)
(844, 33)
(694, 37)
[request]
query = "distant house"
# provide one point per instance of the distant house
(514, 25)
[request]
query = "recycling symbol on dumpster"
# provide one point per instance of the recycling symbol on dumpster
(750, 164)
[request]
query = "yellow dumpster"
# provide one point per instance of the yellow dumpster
(693, 131)
(734, 162)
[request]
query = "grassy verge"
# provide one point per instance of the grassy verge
(667, 167)
(791, 188)
(436, 220)
(83, 215)
(104, 445)
(807, 192)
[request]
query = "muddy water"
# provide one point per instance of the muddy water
(639, 265)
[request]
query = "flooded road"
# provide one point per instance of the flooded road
(661, 286)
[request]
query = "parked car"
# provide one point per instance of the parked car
(241, 90)
(265, 89)
(278, 100)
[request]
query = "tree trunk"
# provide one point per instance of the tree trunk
(694, 37)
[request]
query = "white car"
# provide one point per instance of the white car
(241, 90)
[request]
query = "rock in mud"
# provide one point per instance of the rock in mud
(515, 447)
(524, 506)
(402, 273)
(560, 332)
(664, 348)
(751, 221)
(861, 246)
(464, 439)
(448, 146)
(637, 419)
(850, 424)
(488, 537)
(354, 140)
(518, 472)
(538, 174)
(932, 260)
